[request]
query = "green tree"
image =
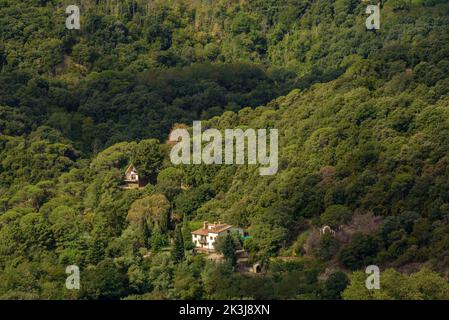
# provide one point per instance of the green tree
(154, 209)
(334, 285)
(158, 239)
(336, 215)
(328, 247)
(359, 252)
(186, 283)
(147, 158)
(178, 254)
(422, 285)
(227, 246)
(105, 281)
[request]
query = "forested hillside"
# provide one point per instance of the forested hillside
(362, 117)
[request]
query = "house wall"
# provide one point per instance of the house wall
(196, 241)
(211, 238)
(132, 176)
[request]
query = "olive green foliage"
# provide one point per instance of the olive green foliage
(422, 285)
(363, 123)
(178, 253)
(227, 245)
(335, 285)
(336, 215)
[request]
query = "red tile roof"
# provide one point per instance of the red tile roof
(201, 232)
(212, 228)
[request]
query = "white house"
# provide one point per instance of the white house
(132, 179)
(131, 174)
(204, 238)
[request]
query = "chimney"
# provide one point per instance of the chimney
(205, 225)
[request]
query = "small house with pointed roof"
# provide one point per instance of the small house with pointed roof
(132, 179)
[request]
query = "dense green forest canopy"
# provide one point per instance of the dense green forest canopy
(113, 106)
(128, 73)
(363, 121)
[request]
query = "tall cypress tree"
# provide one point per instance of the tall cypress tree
(146, 231)
(178, 246)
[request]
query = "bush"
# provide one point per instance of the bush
(360, 252)
(336, 215)
(335, 285)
